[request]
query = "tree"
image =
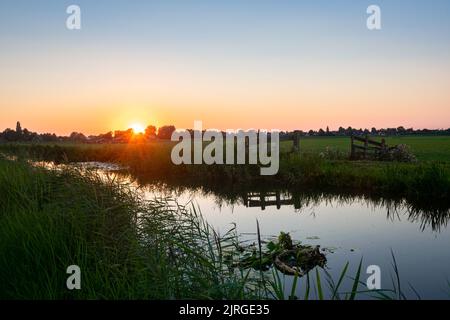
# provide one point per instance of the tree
(401, 130)
(165, 132)
(150, 132)
(123, 136)
(349, 131)
(77, 137)
(10, 135)
(106, 136)
(18, 128)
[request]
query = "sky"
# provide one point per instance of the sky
(234, 64)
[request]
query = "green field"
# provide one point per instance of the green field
(425, 148)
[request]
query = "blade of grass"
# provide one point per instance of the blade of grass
(356, 281)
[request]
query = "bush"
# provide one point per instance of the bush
(400, 153)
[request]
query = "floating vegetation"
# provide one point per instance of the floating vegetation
(288, 257)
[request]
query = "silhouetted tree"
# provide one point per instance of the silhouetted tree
(123, 136)
(150, 132)
(10, 135)
(18, 128)
(77, 137)
(165, 132)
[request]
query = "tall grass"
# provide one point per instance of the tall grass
(127, 248)
(325, 287)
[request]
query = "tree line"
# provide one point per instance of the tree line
(165, 132)
(349, 131)
(118, 136)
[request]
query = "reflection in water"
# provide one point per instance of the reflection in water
(428, 215)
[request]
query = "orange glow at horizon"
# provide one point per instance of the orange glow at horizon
(287, 99)
(137, 128)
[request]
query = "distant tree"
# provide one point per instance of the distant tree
(18, 128)
(349, 131)
(102, 138)
(77, 137)
(106, 136)
(374, 131)
(28, 136)
(10, 135)
(123, 136)
(48, 137)
(150, 132)
(392, 131)
(165, 132)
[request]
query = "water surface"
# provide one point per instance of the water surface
(346, 228)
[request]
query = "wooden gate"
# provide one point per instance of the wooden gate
(365, 148)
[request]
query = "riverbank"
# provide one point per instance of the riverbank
(127, 248)
(422, 183)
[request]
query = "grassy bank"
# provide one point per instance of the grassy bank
(127, 248)
(426, 181)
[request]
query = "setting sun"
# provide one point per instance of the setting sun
(137, 128)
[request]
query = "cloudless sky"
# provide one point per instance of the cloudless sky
(232, 64)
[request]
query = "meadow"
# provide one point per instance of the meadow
(425, 148)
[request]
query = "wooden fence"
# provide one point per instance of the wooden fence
(363, 147)
(267, 199)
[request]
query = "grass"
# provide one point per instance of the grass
(426, 148)
(334, 290)
(126, 247)
(314, 168)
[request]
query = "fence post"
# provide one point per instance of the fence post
(352, 154)
(278, 199)
(366, 146)
(296, 139)
(262, 198)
